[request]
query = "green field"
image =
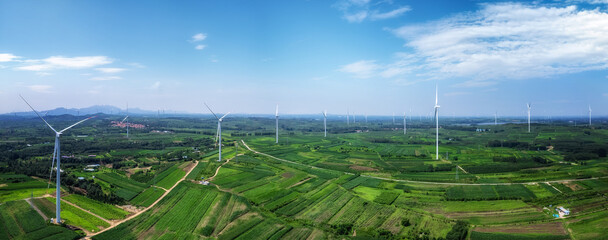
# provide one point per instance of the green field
(20, 221)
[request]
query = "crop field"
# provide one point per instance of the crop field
(20, 221)
(125, 187)
(71, 215)
(103, 210)
(366, 178)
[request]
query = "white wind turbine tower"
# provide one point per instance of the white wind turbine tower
(529, 107)
(404, 124)
(347, 117)
(393, 118)
(127, 120)
(276, 115)
(495, 118)
(436, 126)
(589, 115)
(325, 122)
(354, 118)
(219, 130)
(57, 156)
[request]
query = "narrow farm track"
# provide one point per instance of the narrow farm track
(422, 182)
(114, 224)
(218, 168)
(37, 209)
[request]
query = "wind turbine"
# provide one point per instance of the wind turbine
(354, 118)
(589, 115)
(276, 115)
(393, 118)
(325, 122)
(57, 156)
(529, 107)
(347, 117)
(495, 118)
(127, 120)
(436, 126)
(404, 124)
(219, 130)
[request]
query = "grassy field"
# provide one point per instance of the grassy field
(71, 215)
(20, 221)
(103, 210)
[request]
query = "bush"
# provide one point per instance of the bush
(459, 231)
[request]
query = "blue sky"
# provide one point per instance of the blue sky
(372, 57)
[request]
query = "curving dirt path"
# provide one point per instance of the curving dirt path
(423, 182)
(116, 223)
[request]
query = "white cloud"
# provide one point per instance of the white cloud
(391, 14)
(361, 69)
(200, 47)
(40, 88)
(110, 70)
(7, 57)
(198, 37)
(105, 78)
(356, 11)
(508, 41)
(59, 62)
(155, 86)
(356, 17)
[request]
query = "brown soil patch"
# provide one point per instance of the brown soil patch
(300, 182)
(362, 168)
(132, 171)
(287, 175)
(555, 228)
(573, 186)
(3, 185)
(189, 167)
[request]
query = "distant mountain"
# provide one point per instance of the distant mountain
(106, 109)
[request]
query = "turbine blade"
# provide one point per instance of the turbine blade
(224, 116)
(217, 133)
(38, 114)
(124, 119)
(277, 112)
(79, 122)
(211, 110)
(436, 100)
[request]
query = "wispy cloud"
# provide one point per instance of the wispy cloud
(60, 62)
(7, 57)
(198, 37)
(43, 74)
(509, 41)
(356, 11)
(199, 47)
(105, 78)
(110, 70)
(155, 85)
(361, 69)
(136, 65)
(40, 88)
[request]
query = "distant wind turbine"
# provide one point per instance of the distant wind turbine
(127, 120)
(436, 126)
(354, 118)
(276, 115)
(529, 107)
(219, 130)
(404, 124)
(325, 122)
(590, 115)
(393, 118)
(347, 117)
(57, 155)
(495, 118)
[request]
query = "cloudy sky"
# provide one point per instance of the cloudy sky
(372, 57)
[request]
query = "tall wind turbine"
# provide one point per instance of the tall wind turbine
(590, 115)
(325, 122)
(495, 118)
(393, 118)
(57, 155)
(347, 117)
(127, 120)
(436, 126)
(404, 124)
(219, 130)
(276, 115)
(354, 118)
(529, 107)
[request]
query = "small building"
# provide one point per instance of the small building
(562, 211)
(89, 169)
(92, 165)
(80, 178)
(205, 183)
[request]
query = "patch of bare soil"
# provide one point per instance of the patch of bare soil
(362, 168)
(189, 167)
(573, 186)
(287, 175)
(3, 185)
(300, 182)
(555, 228)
